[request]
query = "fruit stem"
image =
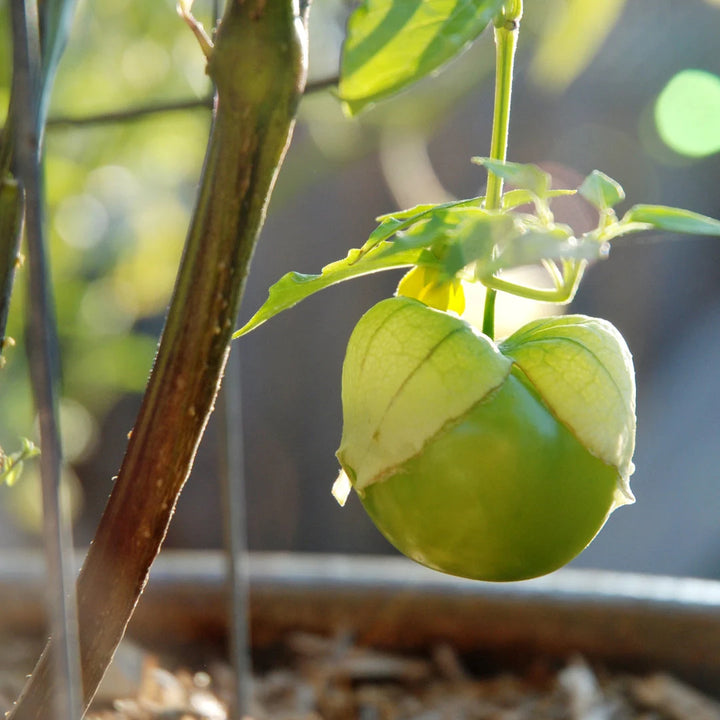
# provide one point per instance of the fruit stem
(507, 24)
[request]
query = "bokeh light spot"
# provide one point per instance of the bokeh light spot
(687, 113)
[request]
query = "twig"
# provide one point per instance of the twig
(129, 114)
(143, 111)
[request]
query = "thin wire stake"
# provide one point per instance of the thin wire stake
(235, 521)
(235, 532)
(42, 351)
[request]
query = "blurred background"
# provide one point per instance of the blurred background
(633, 90)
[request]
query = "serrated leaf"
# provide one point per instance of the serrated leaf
(601, 191)
(525, 176)
(294, 287)
(414, 230)
(394, 222)
(661, 217)
(419, 210)
(391, 44)
(447, 239)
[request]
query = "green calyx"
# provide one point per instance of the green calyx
(583, 370)
(409, 371)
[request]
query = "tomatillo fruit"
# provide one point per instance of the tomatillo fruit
(484, 460)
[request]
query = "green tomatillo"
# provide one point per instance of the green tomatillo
(489, 461)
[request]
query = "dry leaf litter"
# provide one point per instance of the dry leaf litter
(332, 679)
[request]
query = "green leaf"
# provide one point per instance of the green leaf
(391, 44)
(660, 217)
(449, 237)
(496, 241)
(392, 223)
(515, 198)
(532, 245)
(416, 212)
(522, 175)
(415, 230)
(601, 191)
(474, 241)
(619, 229)
(294, 287)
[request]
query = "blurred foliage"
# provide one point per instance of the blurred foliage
(572, 34)
(11, 466)
(119, 197)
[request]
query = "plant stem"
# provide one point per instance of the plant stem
(258, 66)
(507, 26)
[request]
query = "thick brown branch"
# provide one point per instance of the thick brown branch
(258, 66)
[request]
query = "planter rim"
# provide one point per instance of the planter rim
(630, 621)
(208, 569)
(335, 570)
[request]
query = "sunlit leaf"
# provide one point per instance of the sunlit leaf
(601, 191)
(391, 44)
(419, 210)
(475, 239)
(660, 217)
(294, 287)
(619, 229)
(518, 197)
(522, 175)
(393, 222)
(443, 241)
(537, 244)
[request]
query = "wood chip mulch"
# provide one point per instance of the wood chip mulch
(332, 679)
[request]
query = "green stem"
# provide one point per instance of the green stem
(562, 294)
(506, 33)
